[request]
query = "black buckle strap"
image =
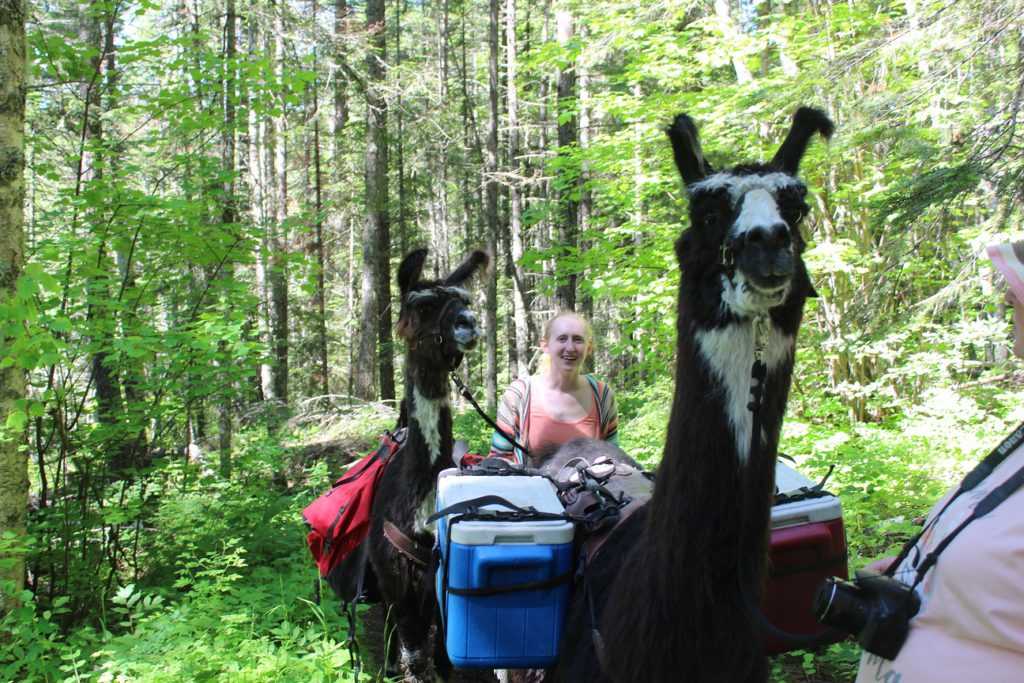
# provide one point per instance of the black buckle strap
(805, 492)
(500, 467)
(473, 509)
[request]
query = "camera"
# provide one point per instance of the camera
(875, 608)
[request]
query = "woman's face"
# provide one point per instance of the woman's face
(1018, 322)
(566, 344)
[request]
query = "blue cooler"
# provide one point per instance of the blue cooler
(503, 585)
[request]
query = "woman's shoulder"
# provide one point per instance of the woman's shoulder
(601, 388)
(517, 391)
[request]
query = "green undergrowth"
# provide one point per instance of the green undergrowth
(224, 585)
(225, 593)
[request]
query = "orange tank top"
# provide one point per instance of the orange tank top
(544, 429)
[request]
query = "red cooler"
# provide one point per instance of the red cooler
(808, 545)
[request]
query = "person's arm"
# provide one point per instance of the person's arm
(610, 424)
(508, 419)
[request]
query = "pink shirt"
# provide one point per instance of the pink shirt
(545, 429)
(971, 623)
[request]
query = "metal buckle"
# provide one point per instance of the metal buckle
(728, 257)
(761, 326)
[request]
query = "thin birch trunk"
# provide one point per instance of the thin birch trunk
(13, 458)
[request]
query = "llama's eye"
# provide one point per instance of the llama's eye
(711, 218)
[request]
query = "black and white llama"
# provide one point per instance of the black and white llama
(668, 586)
(438, 328)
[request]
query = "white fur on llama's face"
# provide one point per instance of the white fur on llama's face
(433, 292)
(739, 185)
(759, 209)
(729, 352)
(427, 412)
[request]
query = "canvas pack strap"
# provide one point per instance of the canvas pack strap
(389, 445)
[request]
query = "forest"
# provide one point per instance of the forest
(204, 203)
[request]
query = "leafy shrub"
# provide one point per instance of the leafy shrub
(198, 523)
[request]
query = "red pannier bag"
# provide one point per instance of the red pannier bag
(339, 519)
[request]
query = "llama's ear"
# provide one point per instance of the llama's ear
(806, 122)
(686, 147)
(411, 269)
(477, 260)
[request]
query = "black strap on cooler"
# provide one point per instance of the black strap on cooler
(513, 587)
(500, 467)
(815, 566)
(805, 492)
(472, 509)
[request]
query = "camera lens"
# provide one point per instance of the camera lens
(841, 605)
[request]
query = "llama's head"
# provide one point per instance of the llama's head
(435, 319)
(744, 221)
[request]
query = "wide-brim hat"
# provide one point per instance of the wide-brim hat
(1009, 259)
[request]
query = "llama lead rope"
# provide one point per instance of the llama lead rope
(758, 372)
(761, 325)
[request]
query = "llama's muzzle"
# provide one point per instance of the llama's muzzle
(766, 256)
(466, 331)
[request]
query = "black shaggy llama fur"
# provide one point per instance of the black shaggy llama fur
(438, 328)
(667, 586)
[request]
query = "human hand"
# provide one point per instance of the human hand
(881, 564)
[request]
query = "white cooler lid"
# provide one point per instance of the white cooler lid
(800, 512)
(536, 492)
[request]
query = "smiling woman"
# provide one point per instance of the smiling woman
(559, 403)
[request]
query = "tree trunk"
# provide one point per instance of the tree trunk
(258, 207)
(106, 380)
(568, 226)
(321, 376)
(343, 204)
(520, 296)
(403, 199)
(728, 27)
(586, 205)
(229, 217)
(376, 279)
(491, 199)
(278, 275)
(13, 459)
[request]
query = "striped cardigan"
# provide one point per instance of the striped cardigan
(514, 417)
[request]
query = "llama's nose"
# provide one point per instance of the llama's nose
(771, 238)
(465, 319)
(767, 255)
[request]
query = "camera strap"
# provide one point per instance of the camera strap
(986, 505)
